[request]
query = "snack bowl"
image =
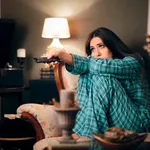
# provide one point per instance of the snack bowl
(119, 145)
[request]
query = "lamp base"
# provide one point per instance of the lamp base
(55, 44)
(21, 61)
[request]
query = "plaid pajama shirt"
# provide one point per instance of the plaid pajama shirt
(109, 94)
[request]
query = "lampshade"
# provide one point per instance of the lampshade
(55, 27)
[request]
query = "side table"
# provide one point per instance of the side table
(53, 144)
(3, 91)
(43, 90)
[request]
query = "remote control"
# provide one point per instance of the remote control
(46, 60)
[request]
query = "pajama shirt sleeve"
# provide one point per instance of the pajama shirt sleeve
(126, 68)
(80, 65)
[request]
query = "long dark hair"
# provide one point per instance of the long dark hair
(118, 48)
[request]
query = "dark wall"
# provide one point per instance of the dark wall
(7, 28)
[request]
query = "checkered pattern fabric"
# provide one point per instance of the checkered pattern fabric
(109, 94)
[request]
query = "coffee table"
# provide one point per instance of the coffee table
(53, 144)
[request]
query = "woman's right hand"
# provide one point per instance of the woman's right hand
(54, 52)
(61, 54)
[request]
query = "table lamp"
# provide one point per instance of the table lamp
(55, 28)
(21, 55)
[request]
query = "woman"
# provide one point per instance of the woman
(112, 88)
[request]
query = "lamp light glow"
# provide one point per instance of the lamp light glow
(56, 28)
(21, 52)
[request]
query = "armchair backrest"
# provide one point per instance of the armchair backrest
(64, 79)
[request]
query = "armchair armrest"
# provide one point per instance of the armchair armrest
(37, 127)
(42, 117)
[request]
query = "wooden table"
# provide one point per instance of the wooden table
(53, 144)
(4, 91)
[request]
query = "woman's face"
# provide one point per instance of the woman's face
(98, 49)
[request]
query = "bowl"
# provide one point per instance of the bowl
(119, 145)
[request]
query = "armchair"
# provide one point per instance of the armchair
(43, 117)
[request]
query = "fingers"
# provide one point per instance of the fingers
(54, 63)
(49, 55)
(54, 52)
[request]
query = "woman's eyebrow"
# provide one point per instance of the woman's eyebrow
(98, 44)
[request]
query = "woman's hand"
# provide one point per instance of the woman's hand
(61, 54)
(54, 52)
